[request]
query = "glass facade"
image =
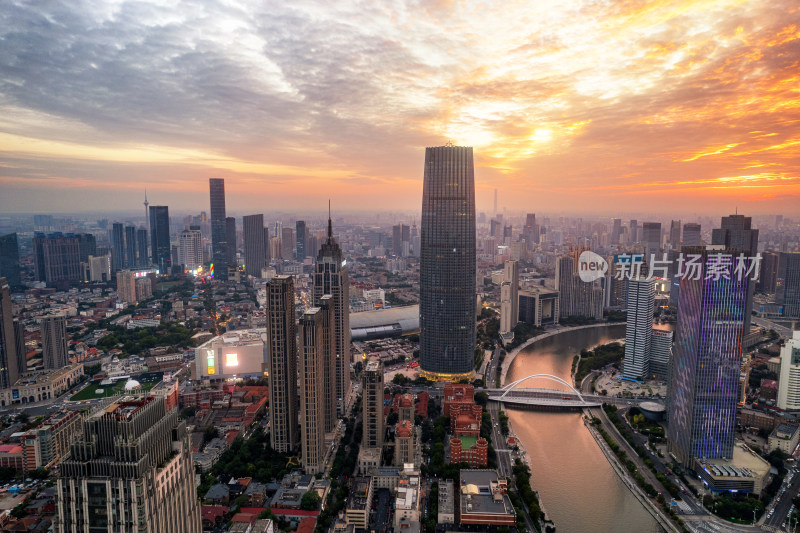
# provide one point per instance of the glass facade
(447, 264)
(219, 230)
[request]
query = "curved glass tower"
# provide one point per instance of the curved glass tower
(447, 264)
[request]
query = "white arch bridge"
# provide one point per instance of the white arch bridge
(545, 398)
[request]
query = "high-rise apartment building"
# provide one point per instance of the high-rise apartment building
(329, 399)
(616, 230)
(301, 235)
(789, 382)
(9, 360)
(159, 238)
(331, 277)
(282, 361)
(787, 292)
(57, 258)
(55, 354)
(373, 404)
(131, 470)
(311, 373)
(126, 286)
(447, 264)
(638, 333)
(691, 234)
(218, 228)
(706, 359)
(190, 248)
(9, 260)
(509, 297)
(736, 233)
(256, 246)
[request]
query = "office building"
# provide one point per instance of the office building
(231, 242)
(218, 228)
(633, 230)
(538, 307)
(660, 353)
(447, 264)
(117, 246)
(706, 359)
(651, 239)
(484, 500)
(282, 357)
(736, 233)
(638, 333)
(404, 443)
(54, 341)
(675, 234)
(787, 292)
(9, 260)
(57, 258)
(691, 234)
(329, 400)
(9, 360)
(99, 268)
(576, 297)
(301, 235)
(331, 277)
(373, 404)
(509, 298)
(288, 244)
(126, 287)
(19, 341)
(311, 372)
(789, 382)
(141, 245)
(190, 249)
(768, 275)
(131, 470)
(159, 238)
(130, 247)
(256, 245)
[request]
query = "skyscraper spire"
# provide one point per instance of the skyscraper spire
(330, 225)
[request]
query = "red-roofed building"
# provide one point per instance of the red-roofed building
(307, 525)
(212, 515)
(465, 420)
(477, 455)
(247, 518)
(457, 394)
(422, 404)
(294, 514)
(11, 456)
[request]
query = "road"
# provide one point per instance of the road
(783, 331)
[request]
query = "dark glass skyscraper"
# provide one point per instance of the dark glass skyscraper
(118, 246)
(9, 259)
(707, 357)
(447, 264)
(130, 247)
(141, 244)
(9, 360)
(219, 248)
(300, 236)
(255, 244)
(787, 294)
(736, 233)
(230, 241)
(159, 238)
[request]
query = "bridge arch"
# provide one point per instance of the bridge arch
(511, 386)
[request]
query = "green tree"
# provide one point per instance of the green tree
(310, 501)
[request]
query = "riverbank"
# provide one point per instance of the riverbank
(556, 331)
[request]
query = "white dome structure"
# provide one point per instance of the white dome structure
(132, 384)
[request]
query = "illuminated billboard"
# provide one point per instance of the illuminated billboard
(210, 363)
(231, 359)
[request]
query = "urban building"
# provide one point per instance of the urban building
(9, 260)
(54, 341)
(639, 330)
(9, 359)
(447, 264)
(706, 359)
(126, 286)
(130, 247)
(405, 443)
(447, 502)
(509, 298)
(19, 341)
(256, 244)
(768, 274)
(288, 244)
(484, 500)
(57, 258)
(359, 503)
(99, 268)
(471, 450)
(46, 444)
(331, 278)
(330, 418)
(282, 352)
(660, 353)
(311, 372)
(538, 307)
(787, 292)
(785, 438)
(301, 235)
(789, 382)
(373, 404)
(651, 238)
(141, 243)
(41, 385)
(575, 296)
(117, 246)
(159, 238)
(407, 505)
(746, 472)
(675, 234)
(239, 353)
(131, 470)
(190, 249)
(218, 228)
(736, 233)
(691, 234)
(231, 242)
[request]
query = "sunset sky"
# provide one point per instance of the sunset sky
(685, 106)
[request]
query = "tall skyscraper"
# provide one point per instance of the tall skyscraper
(660, 353)
(230, 241)
(787, 293)
(55, 353)
(768, 276)
(706, 359)
(564, 284)
(288, 244)
(57, 258)
(331, 277)
(616, 230)
(651, 238)
(282, 345)
(9, 360)
(117, 246)
(9, 260)
(159, 238)
(638, 333)
(531, 230)
(509, 297)
(255, 244)
(130, 247)
(312, 407)
(373, 404)
(736, 233)
(675, 234)
(141, 245)
(447, 264)
(190, 249)
(130, 470)
(634, 231)
(218, 228)
(789, 382)
(300, 235)
(691, 234)
(329, 399)
(126, 286)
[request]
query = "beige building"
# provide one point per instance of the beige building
(41, 385)
(509, 298)
(359, 503)
(746, 472)
(312, 407)
(282, 363)
(373, 404)
(785, 437)
(404, 443)
(406, 505)
(48, 443)
(126, 286)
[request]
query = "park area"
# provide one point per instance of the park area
(90, 392)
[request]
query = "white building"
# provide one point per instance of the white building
(639, 331)
(789, 382)
(237, 353)
(190, 249)
(509, 297)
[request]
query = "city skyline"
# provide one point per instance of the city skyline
(570, 106)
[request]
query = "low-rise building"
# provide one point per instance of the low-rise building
(484, 500)
(745, 472)
(471, 450)
(447, 499)
(758, 419)
(785, 437)
(359, 502)
(41, 385)
(46, 444)
(406, 505)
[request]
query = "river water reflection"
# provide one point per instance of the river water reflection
(577, 487)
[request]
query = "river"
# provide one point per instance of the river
(577, 487)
